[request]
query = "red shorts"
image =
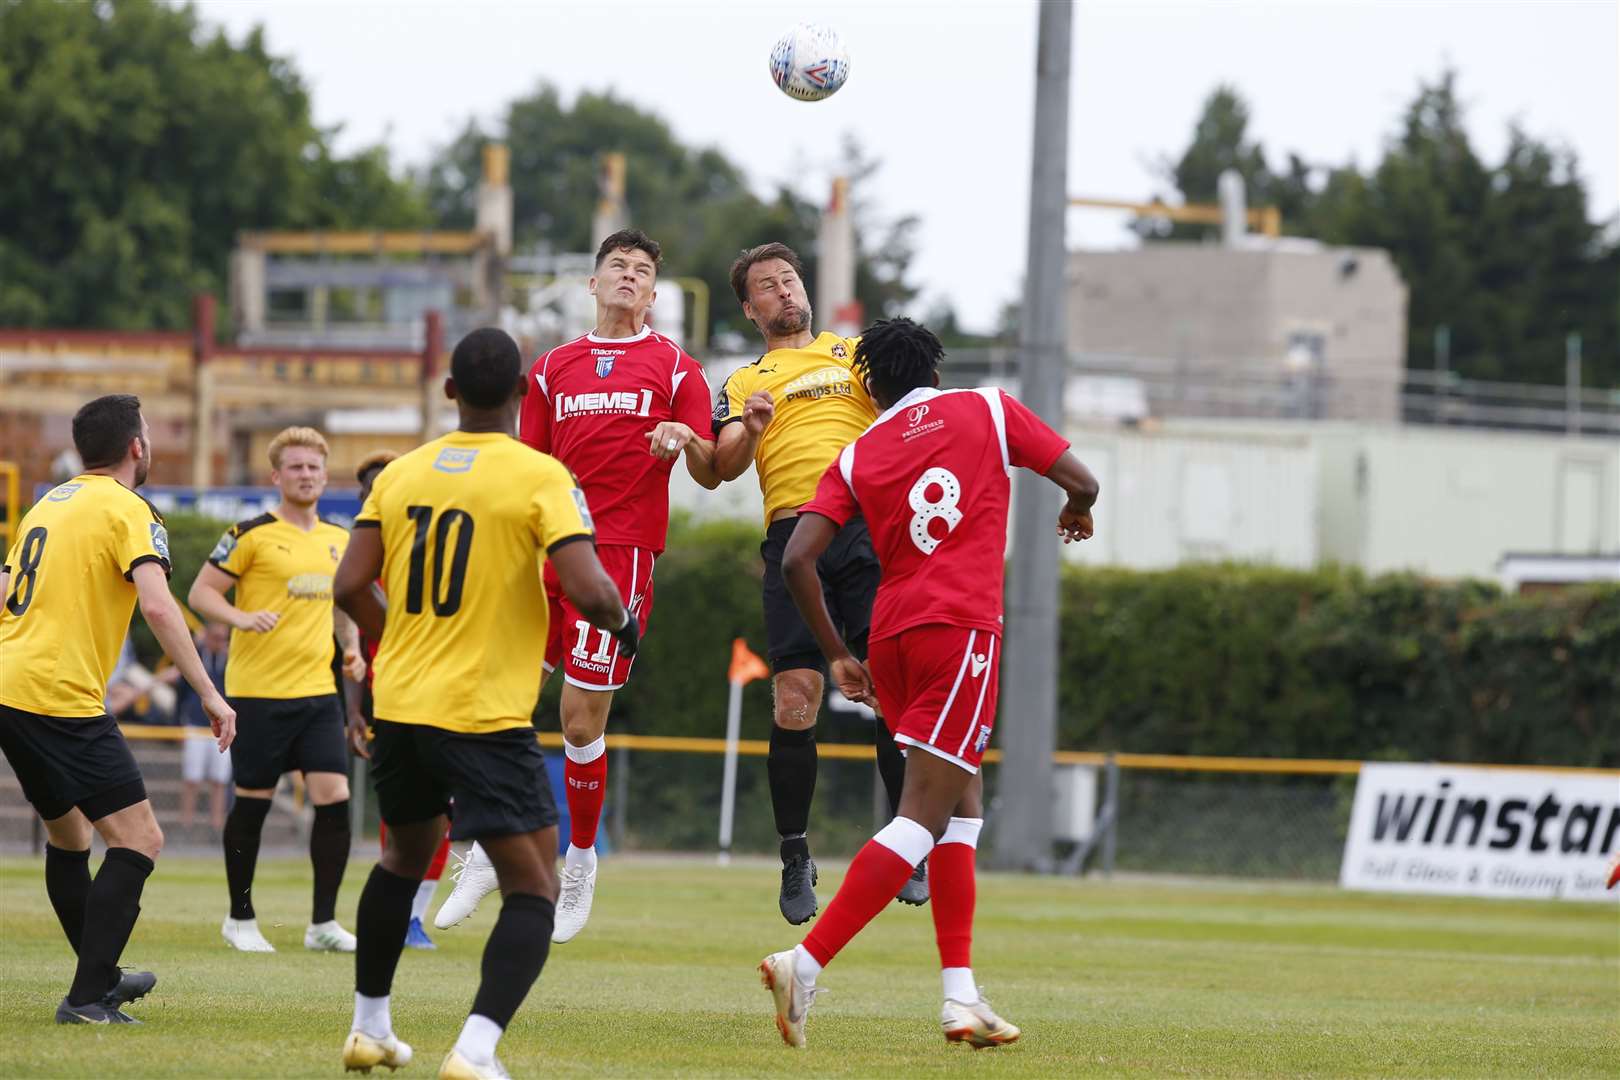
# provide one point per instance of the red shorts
(590, 656)
(937, 685)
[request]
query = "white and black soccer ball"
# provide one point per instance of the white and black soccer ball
(809, 63)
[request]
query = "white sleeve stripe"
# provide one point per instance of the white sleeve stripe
(846, 466)
(998, 417)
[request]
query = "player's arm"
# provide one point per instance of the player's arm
(348, 635)
(162, 614)
(207, 598)
(592, 592)
(812, 536)
(737, 438)
(353, 588)
(1070, 474)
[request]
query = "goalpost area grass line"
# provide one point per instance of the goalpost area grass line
(1125, 977)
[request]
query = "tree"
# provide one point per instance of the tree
(694, 200)
(134, 147)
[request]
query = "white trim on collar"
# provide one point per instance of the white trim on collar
(646, 328)
(921, 393)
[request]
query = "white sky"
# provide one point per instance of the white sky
(941, 91)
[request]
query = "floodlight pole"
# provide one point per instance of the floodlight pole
(1028, 711)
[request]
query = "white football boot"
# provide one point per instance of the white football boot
(474, 876)
(573, 903)
(976, 1024)
(328, 937)
(793, 998)
(243, 935)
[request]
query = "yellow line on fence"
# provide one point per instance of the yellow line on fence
(682, 744)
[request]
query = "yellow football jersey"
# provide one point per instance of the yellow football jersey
(280, 567)
(71, 594)
(466, 523)
(820, 408)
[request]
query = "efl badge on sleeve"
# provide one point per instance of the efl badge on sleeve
(160, 541)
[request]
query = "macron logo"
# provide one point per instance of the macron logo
(600, 403)
(980, 662)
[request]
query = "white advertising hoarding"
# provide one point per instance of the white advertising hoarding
(1482, 832)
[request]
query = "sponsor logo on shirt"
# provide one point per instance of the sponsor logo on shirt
(914, 419)
(451, 460)
(602, 403)
(310, 586)
(825, 382)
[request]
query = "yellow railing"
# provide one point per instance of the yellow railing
(680, 744)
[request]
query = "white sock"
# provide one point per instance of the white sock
(371, 1016)
(959, 985)
(805, 967)
(424, 897)
(580, 859)
(478, 1038)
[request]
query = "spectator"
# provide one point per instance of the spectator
(200, 761)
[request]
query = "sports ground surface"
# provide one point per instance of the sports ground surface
(1144, 978)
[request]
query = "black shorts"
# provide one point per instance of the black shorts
(278, 735)
(849, 580)
(63, 763)
(497, 779)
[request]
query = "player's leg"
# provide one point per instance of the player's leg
(320, 752)
(503, 797)
(412, 799)
(257, 761)
(584, 724)
(67, 871)
(124, 818)
(965, 1016)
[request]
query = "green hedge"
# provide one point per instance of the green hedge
(1199, 660)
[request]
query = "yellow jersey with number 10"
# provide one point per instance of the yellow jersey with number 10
(821, 407)
(466, 522)
(71, 593)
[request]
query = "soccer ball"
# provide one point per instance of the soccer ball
(809, 63)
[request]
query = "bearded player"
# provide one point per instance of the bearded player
(931, 476)
(617, 406)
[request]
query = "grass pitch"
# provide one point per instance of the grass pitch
(1142, 978)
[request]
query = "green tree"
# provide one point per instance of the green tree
(694, 200)
(134, 146)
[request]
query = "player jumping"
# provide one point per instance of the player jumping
(931, 476)
(458, 529)
(89, 551)
(617, 406)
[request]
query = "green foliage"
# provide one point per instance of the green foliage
(693, 200)
(1504, 255)
(135, 146)
(1248, 661)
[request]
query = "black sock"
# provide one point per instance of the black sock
(791, 766)
(379, 927)
(113, 905)
(242, 828)
(67, 883)
(891, 764)
(514, 955)
(329, 855)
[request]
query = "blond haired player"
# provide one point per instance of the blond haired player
(789, 413)
(459, 531)
(279, 678)
(87, 553)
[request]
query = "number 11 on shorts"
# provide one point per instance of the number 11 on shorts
(582, 646)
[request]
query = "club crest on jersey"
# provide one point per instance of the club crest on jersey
(451, 460)
(840, 351)
(983, 740)
(604, 366)
(336, 556)
(160, 541)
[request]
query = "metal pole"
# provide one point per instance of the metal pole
(1029, 664)
(1572, 383)
(728, 783)
(1442, 369)
(1110, 814)
(621, 794)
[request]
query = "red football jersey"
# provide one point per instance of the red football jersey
(931, 478)
(591, 404)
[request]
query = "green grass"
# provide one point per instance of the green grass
(1143, 978)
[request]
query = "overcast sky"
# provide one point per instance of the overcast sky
(941, 91)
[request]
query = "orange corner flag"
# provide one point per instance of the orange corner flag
(745, 665)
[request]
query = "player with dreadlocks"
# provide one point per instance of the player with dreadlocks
(931, 478)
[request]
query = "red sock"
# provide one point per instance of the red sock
(952, 893)
(587, 787)
(436, 867)
(874, 877)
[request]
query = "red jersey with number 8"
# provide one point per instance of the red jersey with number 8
(931, 478)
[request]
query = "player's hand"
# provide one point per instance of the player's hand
(854, 681)
(628, 636)
(668, 439)
(758, 411)
(359, 735)
(258, 622)
(1073, 524)
(221, 720)
(354, 665)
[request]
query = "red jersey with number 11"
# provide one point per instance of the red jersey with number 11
(931, 478)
